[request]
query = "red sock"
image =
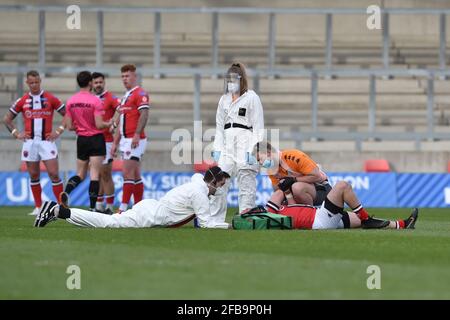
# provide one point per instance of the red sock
(109, 199)
(400, 224)
(37, 192)
(100, 198)
(361, 212)
(57, 189)
(138, 191)
(128, 188)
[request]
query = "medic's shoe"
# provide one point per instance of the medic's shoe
(46, 215)
(374, 223)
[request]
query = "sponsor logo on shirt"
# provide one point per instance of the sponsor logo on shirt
(37, 114)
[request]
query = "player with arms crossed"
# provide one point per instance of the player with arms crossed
(110, 104)
(133, 111)
(179, 206)
(331, 214)
(37, 107)
(85, 114)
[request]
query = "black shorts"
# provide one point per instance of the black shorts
(322, 191)
(90, 146)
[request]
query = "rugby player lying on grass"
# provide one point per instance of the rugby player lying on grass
(331, 214)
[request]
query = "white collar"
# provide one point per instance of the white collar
(36, 95)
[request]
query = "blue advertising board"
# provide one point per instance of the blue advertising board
(388, 190)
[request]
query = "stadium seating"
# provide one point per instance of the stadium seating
(376, 165)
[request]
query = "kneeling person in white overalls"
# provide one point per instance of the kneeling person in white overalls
(179, 206)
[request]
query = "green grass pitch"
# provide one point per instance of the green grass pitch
(188, 263)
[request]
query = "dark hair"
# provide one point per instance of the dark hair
(239, 68)
(215, 174)
(263, 146)
(128, 67)
(96, 75)
(33, 73)
(83, 78)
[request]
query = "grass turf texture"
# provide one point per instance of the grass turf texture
(188, 263)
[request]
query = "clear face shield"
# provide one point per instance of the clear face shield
(232, 83)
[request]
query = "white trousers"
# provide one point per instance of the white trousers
(145, 214)
(246, 181)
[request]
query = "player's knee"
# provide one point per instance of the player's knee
(343, 185)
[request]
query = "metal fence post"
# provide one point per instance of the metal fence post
(314, 106)
(372, 104)
(42, 38)
(157, 43)
(196, 106)
(329, 41)
(99, 51)
(430, 107)
(215, 41)
(386, 40)
(272, 35)
(442, 41)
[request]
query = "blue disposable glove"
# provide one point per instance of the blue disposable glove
(251, 159)
(215, 155)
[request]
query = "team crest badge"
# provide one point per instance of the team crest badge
(25, 154)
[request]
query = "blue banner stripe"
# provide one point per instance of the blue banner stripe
(373, 189)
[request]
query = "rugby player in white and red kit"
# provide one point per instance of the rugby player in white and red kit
(133, 111)
(37, 108)
(110, 104)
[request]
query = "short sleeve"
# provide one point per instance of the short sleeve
(56, 103)
(142, 100)
(17, 106)
(98, 108)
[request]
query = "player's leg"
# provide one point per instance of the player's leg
(342, 193)
(376, 223)
(83, 147)
(94, 184)
(49, 155)
(99, 207)
(128, 171)
(108, 186)
(137, 153)
(303, 193)
(35, 184)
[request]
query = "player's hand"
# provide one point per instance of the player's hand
(135, 141)
(113, 150)
(52, 136)
(215, 155)
(22, 136)
(286, 183)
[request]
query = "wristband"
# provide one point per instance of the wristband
(14, 132)
(60, 131)
(289, 196)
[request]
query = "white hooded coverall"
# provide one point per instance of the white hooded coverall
(177, 207)
(233, 142)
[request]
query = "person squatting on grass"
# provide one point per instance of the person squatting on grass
(179, 206)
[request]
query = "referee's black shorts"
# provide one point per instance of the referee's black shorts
(91, 146)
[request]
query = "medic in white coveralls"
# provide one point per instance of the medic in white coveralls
(239, 126)
(179, 206)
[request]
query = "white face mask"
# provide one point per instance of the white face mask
(233, 87)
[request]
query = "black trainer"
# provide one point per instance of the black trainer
(108, 211)
(64, 199)
(411, 221)
(374, 223)
(46, 214)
